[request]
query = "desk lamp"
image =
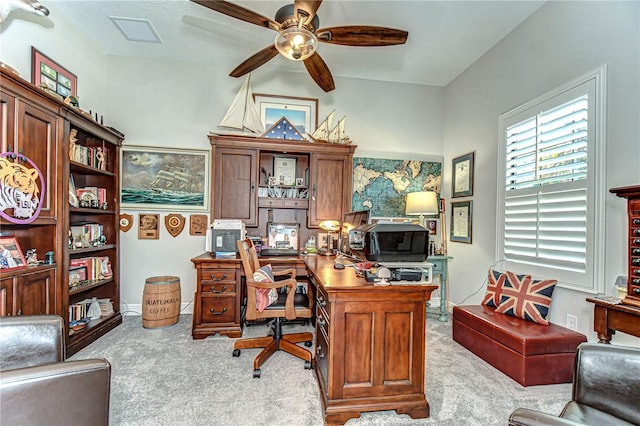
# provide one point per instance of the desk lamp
(330, 226)
(422, 203)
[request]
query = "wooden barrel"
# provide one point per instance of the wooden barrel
(161, 302)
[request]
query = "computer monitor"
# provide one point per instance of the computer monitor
(350, 221)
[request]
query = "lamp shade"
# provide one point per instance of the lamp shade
(421, 203)
(329, 225)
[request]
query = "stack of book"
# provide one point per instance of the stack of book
(97, 267)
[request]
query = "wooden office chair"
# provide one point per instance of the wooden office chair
(290, 305)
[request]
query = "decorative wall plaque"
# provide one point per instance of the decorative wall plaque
(174, 224)
(126, 222)
(198, 224)
(21, 188)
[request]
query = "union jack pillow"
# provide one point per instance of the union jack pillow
(527, 299)
(497, 281)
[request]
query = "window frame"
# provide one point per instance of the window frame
(594, 83)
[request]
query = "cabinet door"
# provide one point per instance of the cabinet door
(6, 297)
(235, 185)
(7, 121)
(34, 293)
(330, 188)
(37, 139)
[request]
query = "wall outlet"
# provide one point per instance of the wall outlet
(572, 322)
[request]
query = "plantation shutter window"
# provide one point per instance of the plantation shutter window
(546, 220)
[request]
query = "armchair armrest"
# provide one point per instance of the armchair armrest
(526, 417)
(61, 393)
(281, 272)
(31, 340)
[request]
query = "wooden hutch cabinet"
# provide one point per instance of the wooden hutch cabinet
(40, 126)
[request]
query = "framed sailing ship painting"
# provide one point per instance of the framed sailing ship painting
(164, 179)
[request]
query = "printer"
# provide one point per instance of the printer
(223, 234)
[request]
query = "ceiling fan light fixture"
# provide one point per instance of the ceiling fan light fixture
(296, 43)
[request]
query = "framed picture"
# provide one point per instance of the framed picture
(432, 226)
(299, 181)
(461, 216)
(284, 170)
(45, 72)
(462, 179)
(148, 226)
(301, 112)
(164, 179)
(283, 235)
(11, 256)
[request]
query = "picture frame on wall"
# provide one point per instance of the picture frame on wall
(164, 179)
(11, 256)
(302, 113)
(461, 221)
(45, 72)
(462, 175)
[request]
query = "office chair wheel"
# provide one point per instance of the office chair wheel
(236, 353)
(256, 373)
(308, 343)
(307, 365)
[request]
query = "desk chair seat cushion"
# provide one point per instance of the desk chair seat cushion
(265, 296)
(300, 301)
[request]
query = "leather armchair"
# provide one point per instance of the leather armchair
(37, 385)
(606, 390)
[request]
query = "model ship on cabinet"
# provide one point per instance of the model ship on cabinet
(326, 133)
(242, 117)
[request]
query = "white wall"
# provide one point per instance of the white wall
(560, 42)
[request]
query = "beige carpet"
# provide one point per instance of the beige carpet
(164, 377)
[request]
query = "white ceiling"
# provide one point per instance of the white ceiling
(445, 37)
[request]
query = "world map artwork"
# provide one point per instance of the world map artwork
(381, 185)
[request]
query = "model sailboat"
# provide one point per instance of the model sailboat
(242, 117)
(322, 132)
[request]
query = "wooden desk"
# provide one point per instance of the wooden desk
(370, 344)
(609, 317)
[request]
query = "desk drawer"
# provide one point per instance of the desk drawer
(218, 309)
(217, 276)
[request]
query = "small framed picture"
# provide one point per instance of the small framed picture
(11, 256)
(432, 226)
(45, 72)
(299, 182)
(148, 226)
(272, 181)
(461, 216)
(462, 179)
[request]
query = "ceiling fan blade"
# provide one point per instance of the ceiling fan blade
(362, 35)
(310, 7)
(255, 61)
(239, 12)
(319, 72)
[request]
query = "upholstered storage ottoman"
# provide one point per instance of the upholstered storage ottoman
(529, 353)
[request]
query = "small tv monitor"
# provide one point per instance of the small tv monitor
(350, 221)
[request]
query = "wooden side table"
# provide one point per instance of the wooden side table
(609, 318)
(440, 264)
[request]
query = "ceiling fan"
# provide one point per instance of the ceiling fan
(298, 36)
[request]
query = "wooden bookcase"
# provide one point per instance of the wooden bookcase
(40, 126)
(632, 194)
